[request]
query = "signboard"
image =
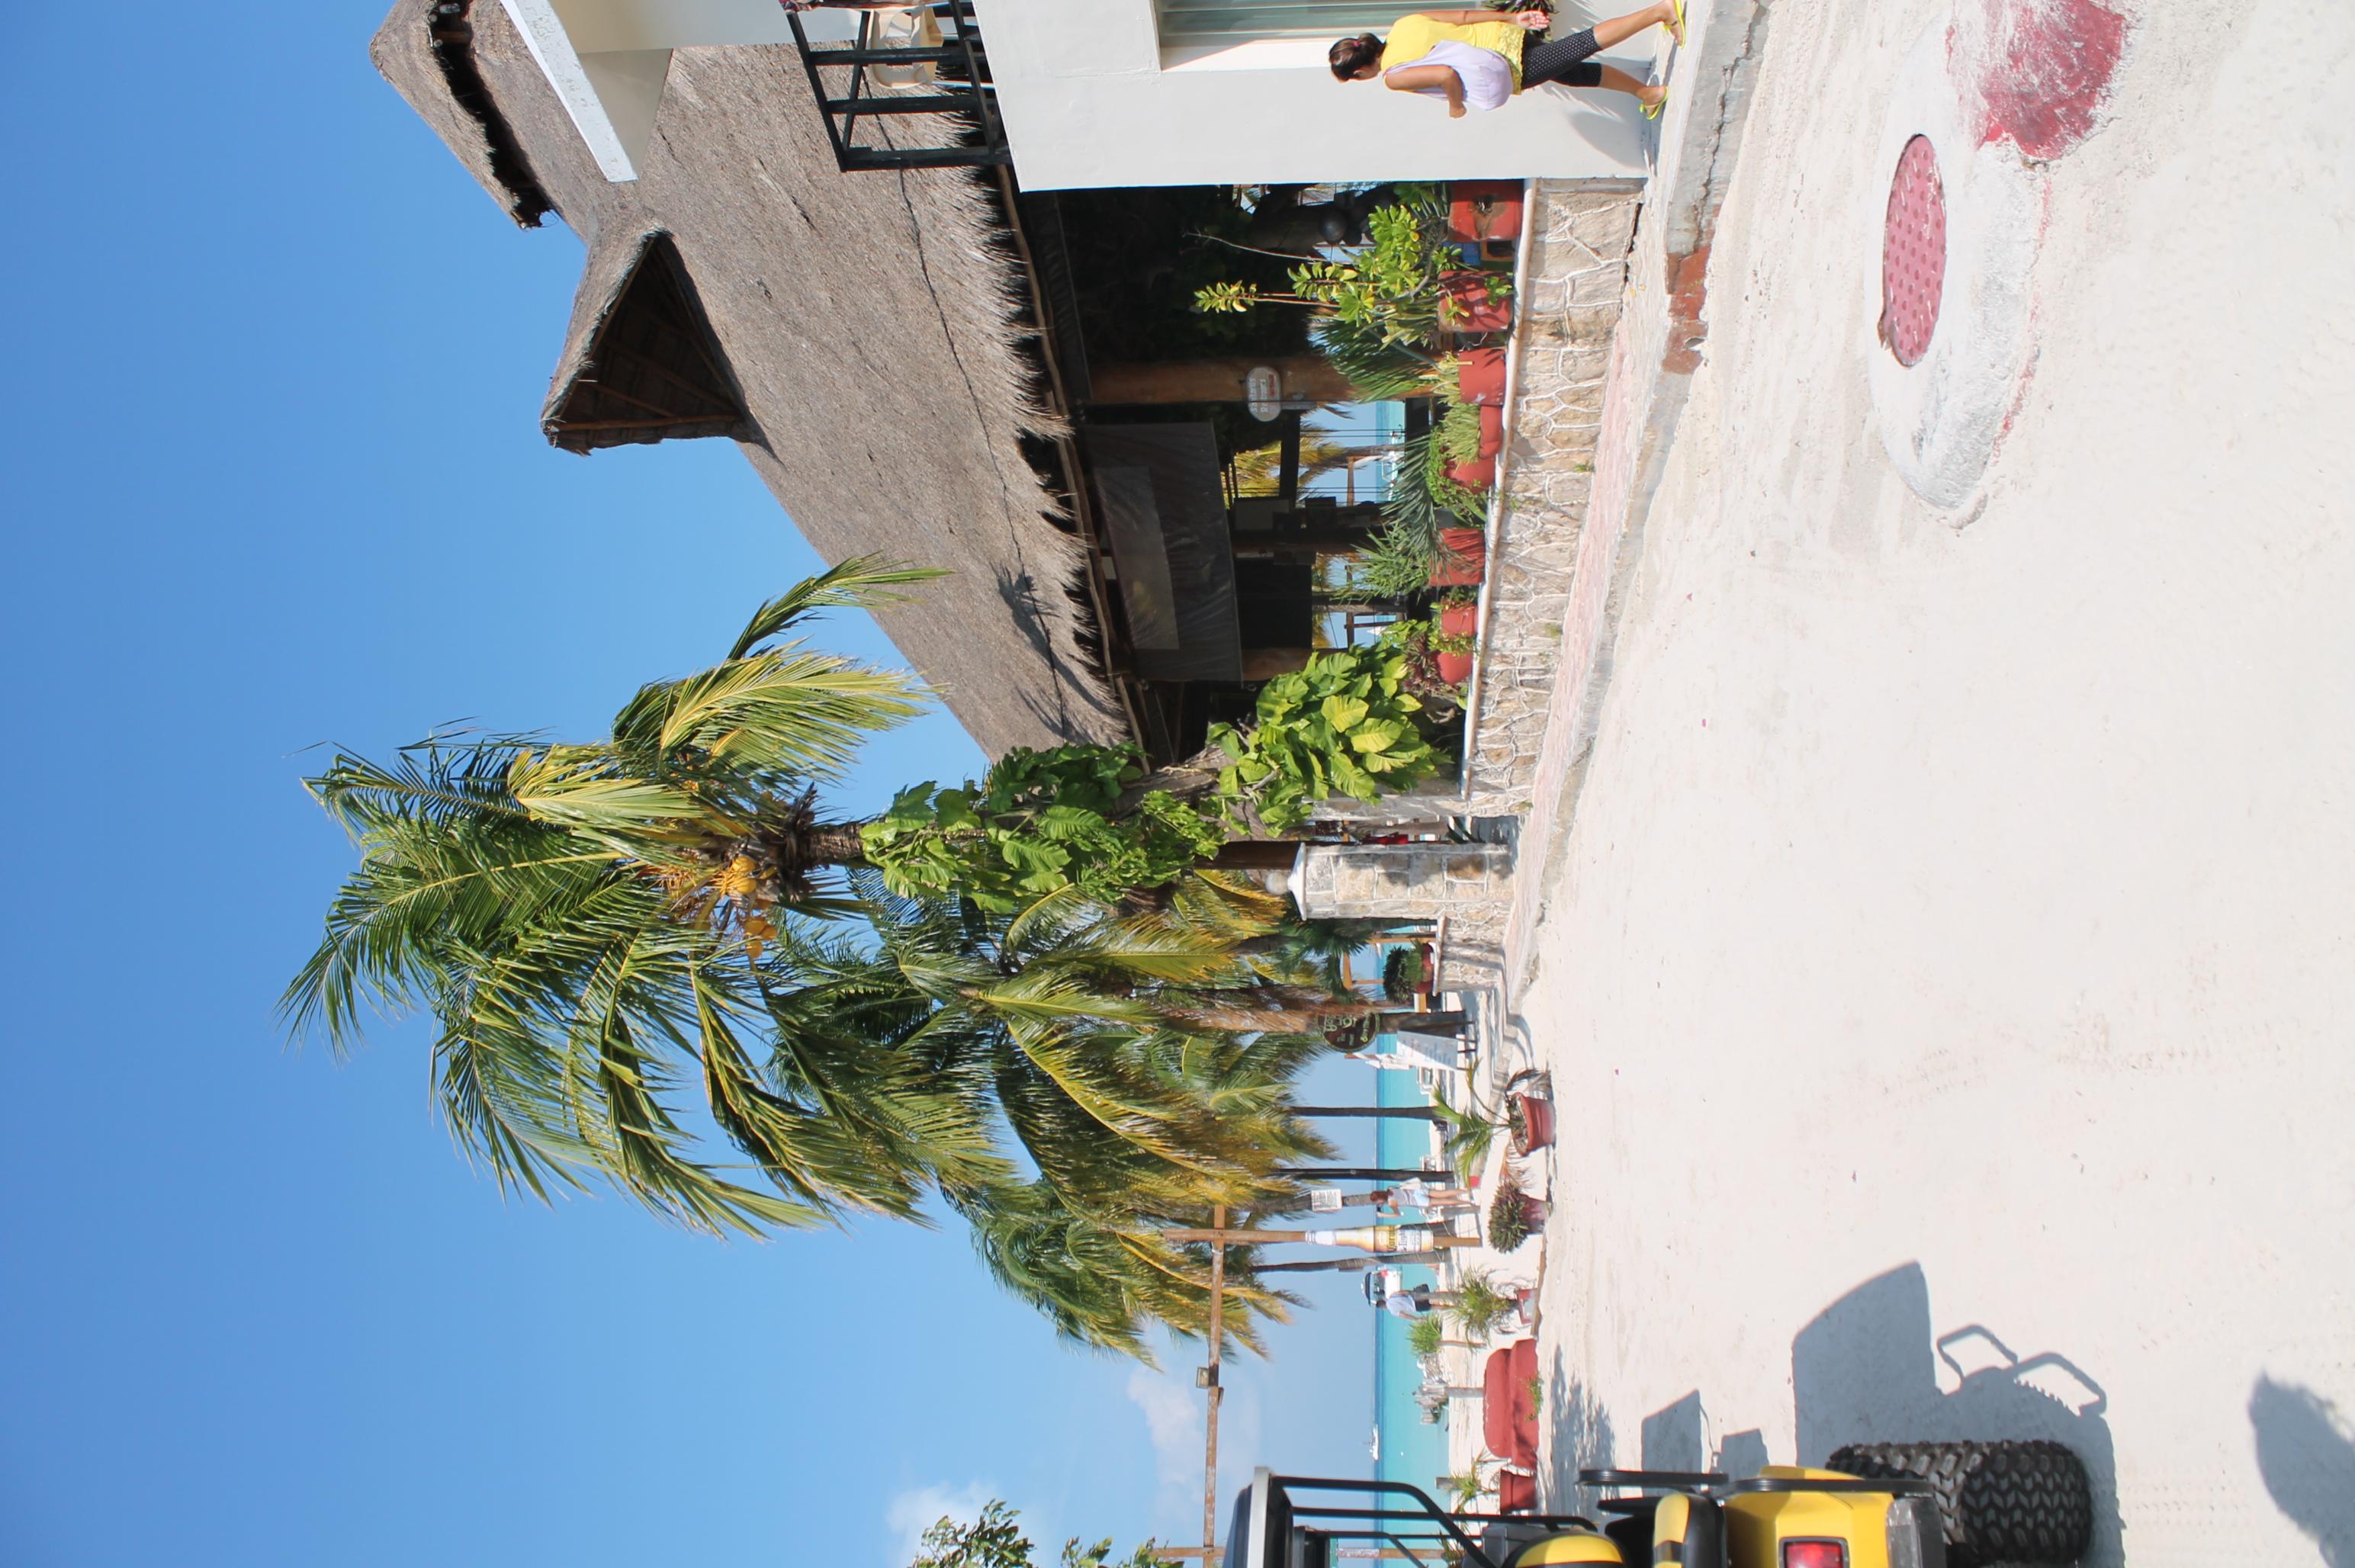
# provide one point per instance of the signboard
(1264, 390)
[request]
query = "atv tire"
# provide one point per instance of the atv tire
(2019, 1502)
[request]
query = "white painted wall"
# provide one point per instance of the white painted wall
(1089, 101)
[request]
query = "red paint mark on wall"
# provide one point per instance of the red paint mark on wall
(2035, 70)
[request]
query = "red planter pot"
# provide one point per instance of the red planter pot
(1459, 620)
(1492, 429)
(1463, 554)
(1466, 306)
(1454, 668)
(1476, 475)
(1480, 376)
(1537, 1115)
(1483, 209)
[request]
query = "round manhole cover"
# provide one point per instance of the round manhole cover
(1913, 253)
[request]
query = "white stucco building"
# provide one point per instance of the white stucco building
(1127, 93)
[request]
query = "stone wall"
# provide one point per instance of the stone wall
(1427, 880)
(1572, 287)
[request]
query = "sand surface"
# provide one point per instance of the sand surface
(1957, 932)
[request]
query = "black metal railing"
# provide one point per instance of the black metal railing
(961, 88)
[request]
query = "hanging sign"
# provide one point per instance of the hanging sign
(1264, 390)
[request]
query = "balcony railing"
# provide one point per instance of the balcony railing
(955, 73)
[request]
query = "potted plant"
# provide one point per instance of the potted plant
(1481, 210)
(1513, 1215)
(1453, 655)
(1475, 302)
(1459, 613)
(1406, 972)
(1530, 1120)
(1480, 1308)
(1462, 559)
(1479, 375)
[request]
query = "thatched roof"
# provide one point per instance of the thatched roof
(864, 324)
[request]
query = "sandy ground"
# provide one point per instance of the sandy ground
(1956, 936)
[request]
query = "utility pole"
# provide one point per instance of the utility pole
(1356, 1172)
(1216, 1393)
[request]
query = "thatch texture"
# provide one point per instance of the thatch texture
(640, 363)
(866, 321)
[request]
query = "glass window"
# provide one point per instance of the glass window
(1224, 22)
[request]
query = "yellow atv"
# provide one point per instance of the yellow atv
(1926, 1505)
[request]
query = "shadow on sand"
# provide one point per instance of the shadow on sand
(2307, 1457)
(1866, 1371)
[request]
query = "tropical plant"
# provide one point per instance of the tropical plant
(995, 1540)
(1376, 367)
(1344, 725)
(1403, 969)
(1510, 1222)
(1258, 472)
(1479, 1307)
(579, 919)
(1399, 560)
(1465, 1488)
(596, 927)
(1425, 1335)
(1468, 1138)
(1390, 290)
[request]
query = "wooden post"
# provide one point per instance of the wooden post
(1304, 375)
(1210, 1425)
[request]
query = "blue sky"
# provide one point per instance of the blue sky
(272, 478)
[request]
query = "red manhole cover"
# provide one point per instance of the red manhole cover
(1913, 253)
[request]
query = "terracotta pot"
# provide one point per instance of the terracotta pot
(1463, 553)
(1480, 376)
(1465, 305)
(1492, 429)
(1537, 1115)
(1459, 620)
(1483, 209)
(1476, 475)
(1454, 668)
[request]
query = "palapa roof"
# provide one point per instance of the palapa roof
(857, 334)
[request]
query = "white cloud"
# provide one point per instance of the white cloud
(1172, 1415)
(916, 1509)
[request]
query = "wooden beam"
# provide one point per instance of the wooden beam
(1304, 375)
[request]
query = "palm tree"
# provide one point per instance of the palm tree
(577, 917)
(1071, 1018)
(595, 928)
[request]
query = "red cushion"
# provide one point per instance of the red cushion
(1516, 1493)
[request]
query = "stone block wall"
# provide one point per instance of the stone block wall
(1571, 293)
(1402, 881)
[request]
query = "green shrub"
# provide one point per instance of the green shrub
(1480, 1305)
(1424, 1335)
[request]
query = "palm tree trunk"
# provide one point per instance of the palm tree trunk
(834, 844)
(1400, 1113)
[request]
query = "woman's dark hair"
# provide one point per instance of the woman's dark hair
(1351, 56)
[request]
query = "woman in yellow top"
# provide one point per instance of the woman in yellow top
(1477, 58)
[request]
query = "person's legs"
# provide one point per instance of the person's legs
(1619, 29)
(1565, 60)
(1612, 79)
